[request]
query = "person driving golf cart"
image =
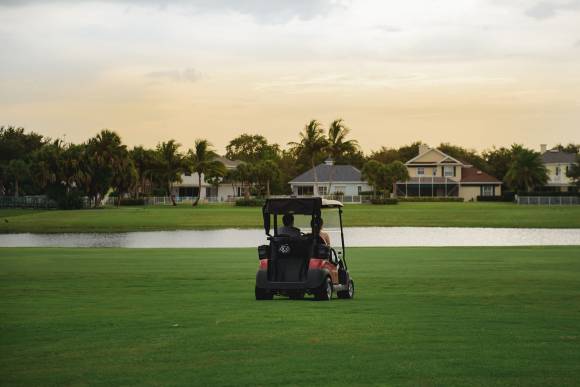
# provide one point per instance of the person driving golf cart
(288, 228)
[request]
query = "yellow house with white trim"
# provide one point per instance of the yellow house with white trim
(433, 173)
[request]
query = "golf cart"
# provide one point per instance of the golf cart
(299, 261)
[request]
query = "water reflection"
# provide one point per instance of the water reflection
(355, 236)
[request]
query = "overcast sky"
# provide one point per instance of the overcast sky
(470, 72)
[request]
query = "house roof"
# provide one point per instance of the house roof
(230, 164)
(341, 173)
(446, 158)
(556, 156)
(474, 175)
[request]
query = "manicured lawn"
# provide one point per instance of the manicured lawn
(422, 316)
(222, 216)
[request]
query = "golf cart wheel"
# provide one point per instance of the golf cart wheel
(325, 291)
(349, 293)
(263, 294)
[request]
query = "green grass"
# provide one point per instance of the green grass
(422, 316)
(219, 216)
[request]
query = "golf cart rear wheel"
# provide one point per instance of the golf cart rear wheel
(325, 291)
(349, 293)
(263, 294)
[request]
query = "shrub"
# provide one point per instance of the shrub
(252, 202)
(132, 202)
(70, 201)
(383, 201)
(505, 197)
(430, 199)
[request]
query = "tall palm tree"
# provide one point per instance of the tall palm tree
(171, 165)
(526, 170)
(338, 145)
(203, 161)
(312, 144)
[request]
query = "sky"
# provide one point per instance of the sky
(476, 73)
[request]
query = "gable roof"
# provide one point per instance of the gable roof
(229, 164)
(474, 175)
(556, 156)
(446, 158)
(341, 173)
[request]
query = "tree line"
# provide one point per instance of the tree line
(32, 164)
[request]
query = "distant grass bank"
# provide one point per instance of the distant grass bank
(125, 219)
(422, 316)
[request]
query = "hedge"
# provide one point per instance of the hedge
(384, 201)
(430, 199)
(132, 202)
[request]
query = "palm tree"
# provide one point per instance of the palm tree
(396, 171)
(526, 170)
(312, 144)
(105, 153)
(203, 161)
(171, 165)
(337, 145)
(267, 171)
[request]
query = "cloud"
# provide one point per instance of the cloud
(267, 11)
(185, 75)
(548, 9)
(388, 28)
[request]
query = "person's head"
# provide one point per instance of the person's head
(288, 220)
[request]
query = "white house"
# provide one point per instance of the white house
(189, 185)
(332, 180)
(558, 163)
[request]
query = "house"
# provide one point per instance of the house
(436, 174)
(332, 180)
(558, 163)
(189, 185)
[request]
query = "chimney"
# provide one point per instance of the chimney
(423, 148)
(329, 161)
(543, 148)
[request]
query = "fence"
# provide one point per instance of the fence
(548, 200)
(39, 201)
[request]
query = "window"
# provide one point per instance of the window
(359, 189)
(448, 171)
(486, 190)
(434, 171)
(558, 171)
(306, 190)
(322, 190)
(420, 171)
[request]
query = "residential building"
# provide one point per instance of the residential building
(558, 163)
(434, 173)
(332, 180)
(189, 185)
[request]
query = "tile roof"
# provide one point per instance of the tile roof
(474, 175)
(323, 171)
(555, 156)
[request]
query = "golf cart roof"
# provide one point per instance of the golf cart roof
(305, 206)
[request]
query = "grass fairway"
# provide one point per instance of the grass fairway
(222, 216)
(422, 316)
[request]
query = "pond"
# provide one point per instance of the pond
(355, 236)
